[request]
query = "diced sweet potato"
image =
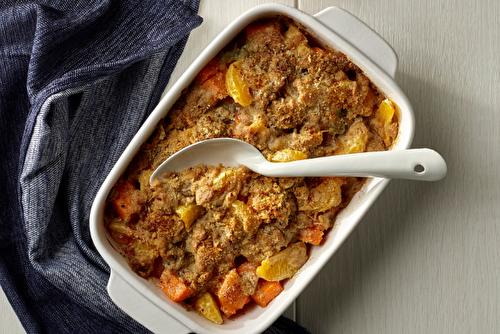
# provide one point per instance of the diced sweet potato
(217, 86)
(212, 69)
(312, 235)
(125, 203)
(248, 272)
(246, 267)
(209, 308)
(174, 288)
(230, 294)
(266, 291)
(213, 78)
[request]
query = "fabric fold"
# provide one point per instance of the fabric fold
(81, 78)
(77, 80)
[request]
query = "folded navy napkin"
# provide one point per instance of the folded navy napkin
(77, 80)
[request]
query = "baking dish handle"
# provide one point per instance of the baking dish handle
(141, 309)
(360, 36)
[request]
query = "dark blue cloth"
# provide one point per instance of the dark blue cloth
(77, 79)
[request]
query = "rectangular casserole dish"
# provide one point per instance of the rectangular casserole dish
(148, 304)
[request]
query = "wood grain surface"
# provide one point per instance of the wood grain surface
(426, 257)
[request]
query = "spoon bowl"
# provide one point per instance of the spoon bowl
(411, 164)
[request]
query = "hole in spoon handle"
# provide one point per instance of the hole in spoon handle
(429, 165)
(419, 168)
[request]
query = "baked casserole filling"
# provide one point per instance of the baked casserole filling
(216, 238)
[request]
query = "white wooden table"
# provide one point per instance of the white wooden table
(426, 257)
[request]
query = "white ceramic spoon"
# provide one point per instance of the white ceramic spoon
(412, 164)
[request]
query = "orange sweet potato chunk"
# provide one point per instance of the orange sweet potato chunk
(174, 288)
(266, 291)
(213, 78)
(125, 203)
(312, 235)
(230, 294)
(247, 268)
(213, 68)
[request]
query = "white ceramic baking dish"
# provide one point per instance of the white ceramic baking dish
(148, 304)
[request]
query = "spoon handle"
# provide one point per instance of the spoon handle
(412, 164)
